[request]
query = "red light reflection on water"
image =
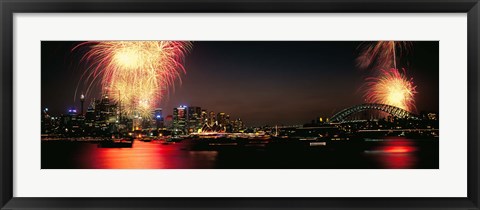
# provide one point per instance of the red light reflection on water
(397, 153)
(147, 155)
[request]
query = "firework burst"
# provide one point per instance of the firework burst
(381, 54)
(393, 88)
(136, 74)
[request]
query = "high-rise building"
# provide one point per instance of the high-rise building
(204, 117)
(179, 119)
(194, 119)
(90, 125)
(432, 116)
(72, 123)
(221, 118)
(228, 124)
(47, 125)
(211, 118)
(168, 121)
(158, 118)
(104, 110)
(227, 119)
(105, 114)
(238, 125)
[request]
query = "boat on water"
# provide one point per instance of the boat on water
(146, 139)
(116, 142)
(178, 138)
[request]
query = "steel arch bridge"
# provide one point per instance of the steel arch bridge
(393, 110)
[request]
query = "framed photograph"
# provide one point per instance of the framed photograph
(239, 105)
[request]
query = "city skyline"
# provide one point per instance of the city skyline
(263, 83)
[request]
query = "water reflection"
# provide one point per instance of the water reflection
(399, 153)
(146, 155)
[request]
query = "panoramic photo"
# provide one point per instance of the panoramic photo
(240, 104)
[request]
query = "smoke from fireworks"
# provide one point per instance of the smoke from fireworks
(387, 86)
(393, 88)
(381, 54)
(136, 74)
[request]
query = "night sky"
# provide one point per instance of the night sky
(263, 82)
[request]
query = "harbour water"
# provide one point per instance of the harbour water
(392, 153)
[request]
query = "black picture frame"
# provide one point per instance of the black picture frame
(10, 7)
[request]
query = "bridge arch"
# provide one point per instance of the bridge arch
(393, 110)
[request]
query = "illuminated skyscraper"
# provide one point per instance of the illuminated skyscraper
(179, 119)
(204, 117)
(238, 125)
(158, 118)
(194, 119)
(168, 121)
(211, 118)
(221, 118)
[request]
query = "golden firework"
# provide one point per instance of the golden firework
(136, 74)
(393, 88)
